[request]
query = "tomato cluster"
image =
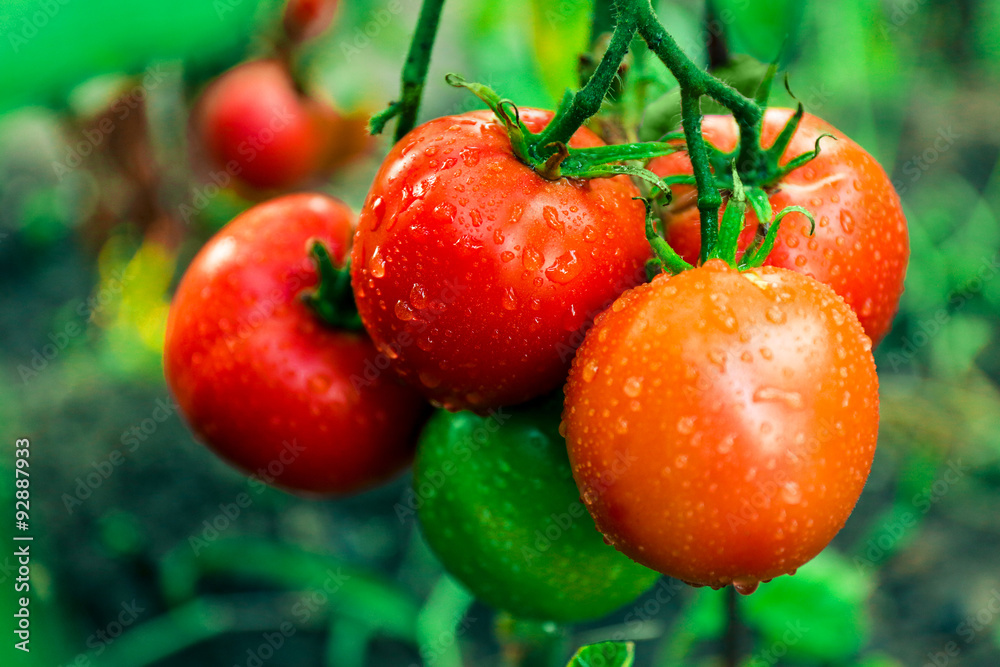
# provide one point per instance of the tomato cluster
(717, 424)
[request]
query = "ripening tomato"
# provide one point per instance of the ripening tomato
(253, 123)
(306, 19)
(860, 247)
(261, 380)
(747, 407)
(477, 275)
(498, 506)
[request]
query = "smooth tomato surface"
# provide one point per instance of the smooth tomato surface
(261, 380)
(861, 244)
(498, 506)
(746, 406)
(475, 275)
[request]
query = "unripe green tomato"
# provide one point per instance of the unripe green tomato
(499, 507)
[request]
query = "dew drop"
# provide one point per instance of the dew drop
(551, 217)
(377, 211)
(633, 386)
(685, 425)
(589, 235)
(444, 213)
(377, 264)
(791, 493)
(565, 268)
(506, 256)
(404, 311)
(509, 298)
(589, 370)
(775, 315)
(792, 399)
(532, 259)
(846, 222)
(745, 587)
(318, 384)
(418, 297)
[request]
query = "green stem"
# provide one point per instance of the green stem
(414, 72)
(587, 101)
(709, 199)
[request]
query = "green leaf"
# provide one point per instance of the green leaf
(605, 654)
(561, 31)
(817, 614)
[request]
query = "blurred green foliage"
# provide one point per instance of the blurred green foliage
(86, 271)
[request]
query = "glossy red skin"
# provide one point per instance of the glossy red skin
(720, 425)
(253, 124)
(475, 274)
(861, 243)
(252, 369)
(306, 19)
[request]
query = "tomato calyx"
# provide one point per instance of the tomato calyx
(726, 246)
(332, 300)
(553, 160)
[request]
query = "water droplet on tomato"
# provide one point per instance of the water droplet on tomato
(377, 211)
(377, 264)
(506, 256)
(589, 235)
(532, 259)
(565, 268)
(444, 213)
(633, 386)
(428, 380)
(509, 298)
(551, 217)
(470, 156)
(589, 370)
(418, 297)
(775, 315)
(846, 222)
(791, 493)
(792, 399)
(318, 384)
(685, 425)
(404, 311)
(744, 586)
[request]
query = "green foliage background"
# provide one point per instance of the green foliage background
(912, 577)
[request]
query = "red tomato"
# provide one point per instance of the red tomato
(254, 124)
(721, 425)
(475, 274)
(305, 19)
(264, 383)
(860, 246)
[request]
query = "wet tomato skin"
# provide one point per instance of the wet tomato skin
(746, 409)
(475, 275)
(861, 244)
(261, 381)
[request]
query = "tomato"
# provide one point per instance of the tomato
(747, 406)
(306, 19)
(497, 504)
(255, 125)
(261, 381)
(860, 246)
(475, 274)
